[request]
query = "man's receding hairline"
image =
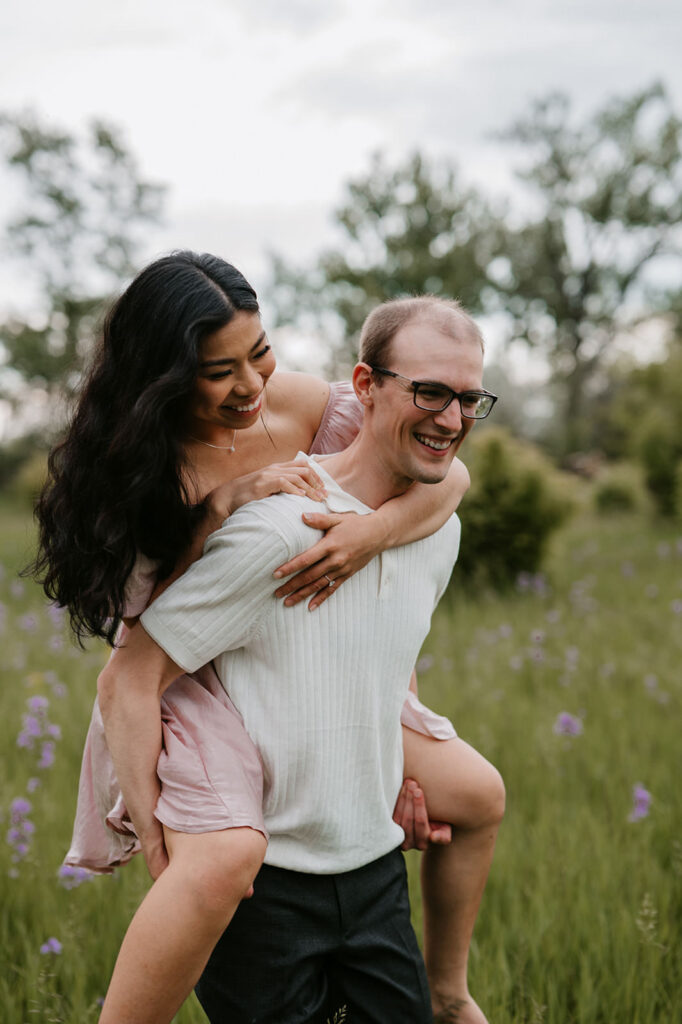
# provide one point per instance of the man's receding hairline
(443, 319)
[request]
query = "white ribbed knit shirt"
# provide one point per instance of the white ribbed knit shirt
(321, 692)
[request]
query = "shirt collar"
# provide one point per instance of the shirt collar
(337, 500)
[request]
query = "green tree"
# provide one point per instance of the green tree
(644, 421)
(413, 228)
(79, 224)
(581, 272)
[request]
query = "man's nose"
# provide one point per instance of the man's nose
(449, 418)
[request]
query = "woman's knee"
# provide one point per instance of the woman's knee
(493, 796)
(220, 866)
(474, 789)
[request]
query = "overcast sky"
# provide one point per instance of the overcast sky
(256, 114)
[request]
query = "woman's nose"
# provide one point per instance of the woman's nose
(247, 380)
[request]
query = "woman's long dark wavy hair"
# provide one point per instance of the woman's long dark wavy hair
(115, 483)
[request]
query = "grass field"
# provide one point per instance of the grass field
(582, 918)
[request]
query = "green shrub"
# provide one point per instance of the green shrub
(659, 450)
(619, 488)
(516, 501)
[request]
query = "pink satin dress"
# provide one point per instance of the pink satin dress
(210, 771)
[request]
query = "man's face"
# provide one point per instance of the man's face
(414, 444)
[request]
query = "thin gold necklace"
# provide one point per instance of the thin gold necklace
(219, 447)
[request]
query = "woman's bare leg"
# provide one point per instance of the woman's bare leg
(462, 788)
(179, 922)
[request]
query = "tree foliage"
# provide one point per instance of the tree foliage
(572, 270)
(79, 224)
(608, 196)
(409, 229)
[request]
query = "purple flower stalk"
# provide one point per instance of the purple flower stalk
(568, 725)
(21, 829)
(641, 803)
(51, 946)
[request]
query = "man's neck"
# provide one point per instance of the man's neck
(359, 472)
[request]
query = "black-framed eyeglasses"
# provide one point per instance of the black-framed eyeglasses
(432, 397)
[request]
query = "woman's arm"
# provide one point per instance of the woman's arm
(129, 690)
(286, 477)
(351, 541)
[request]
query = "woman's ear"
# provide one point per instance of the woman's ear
(363, 383)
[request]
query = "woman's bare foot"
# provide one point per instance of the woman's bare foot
(460, 1011)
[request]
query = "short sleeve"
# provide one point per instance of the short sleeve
(139, 586)
(218, 604)
(340, 421)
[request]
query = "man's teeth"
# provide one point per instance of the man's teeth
(438, 445)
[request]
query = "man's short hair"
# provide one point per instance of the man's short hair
(384, 322)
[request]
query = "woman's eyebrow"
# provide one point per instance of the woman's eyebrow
(222, 362)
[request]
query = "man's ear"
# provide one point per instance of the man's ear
(363, 383)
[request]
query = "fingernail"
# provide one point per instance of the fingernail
(278, 574)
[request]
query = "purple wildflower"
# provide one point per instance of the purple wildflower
(538, 636)
(71, 877)
(51, 946)
(21, 829)
(641, 803)
(37, 704)
(17, 588)
(20, 807)
(55, 613)
(46, 755)
(424, 663)
(32, 785)
(55, 643)
(568, 725)
(29, 623)
(677, 607)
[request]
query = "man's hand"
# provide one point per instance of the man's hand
(153, 848)
(411, 814)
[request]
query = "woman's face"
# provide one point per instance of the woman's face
(234, 365)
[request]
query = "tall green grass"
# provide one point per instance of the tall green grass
(582, 918)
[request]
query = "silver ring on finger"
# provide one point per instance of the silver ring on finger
(331, 581)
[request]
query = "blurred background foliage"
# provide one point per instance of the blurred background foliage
(580, 268)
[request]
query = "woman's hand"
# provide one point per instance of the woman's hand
(282, 477)
(349, 543)
(153, 848)
(411, 814)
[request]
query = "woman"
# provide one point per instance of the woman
(174, 430)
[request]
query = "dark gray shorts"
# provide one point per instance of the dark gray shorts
(306, 945)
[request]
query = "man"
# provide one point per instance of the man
(321, 695)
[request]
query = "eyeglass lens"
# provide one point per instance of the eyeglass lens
(434, 398)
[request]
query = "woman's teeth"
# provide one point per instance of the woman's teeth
(439, 446)
(246, 408)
